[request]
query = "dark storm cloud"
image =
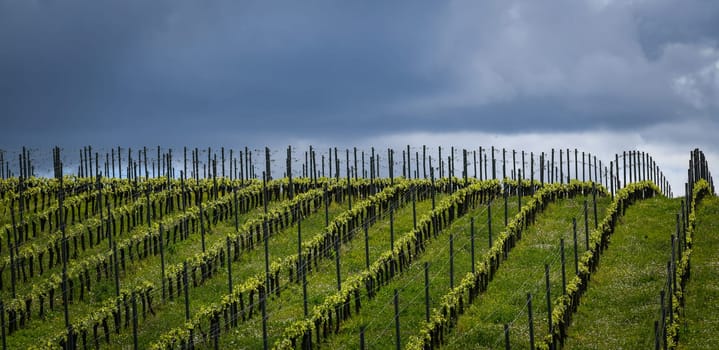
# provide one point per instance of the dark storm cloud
(194, 72)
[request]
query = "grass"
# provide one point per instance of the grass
(481, 327)
(142, 270)
(622, 301)
(700, 329)
(617, 311)
(322, 281)
(377, 315)
(250, 264)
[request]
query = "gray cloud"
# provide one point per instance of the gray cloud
(233, 72)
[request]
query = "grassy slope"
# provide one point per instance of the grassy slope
(481, 327)
(378, 314)
(701, 327)
(250, 263)
(147, 269)
(622, 302)
(322, 281)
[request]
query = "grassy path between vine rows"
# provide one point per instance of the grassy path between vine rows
(622, 301)
(143, 270)
(377, 315)
(251, 262)
(481, 326)
(322, 281)
(700, 329)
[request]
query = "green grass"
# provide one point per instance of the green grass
(700, 329)
(142, 270)
(250, 264)
(322, 281)
(481, 327)
(622, 301)
(377, 315)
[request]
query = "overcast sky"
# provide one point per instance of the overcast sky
(600, 75)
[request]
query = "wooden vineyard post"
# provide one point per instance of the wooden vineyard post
(11, 248)
(569, 173)
(506, 212)
(531, 321)
(349, 180)
(464, 165)
(366, 243)
(494, 166)
(611, 179)
(431, 175)
(564, 269)
(656, 335)
(426, 291)
(236, 209)
(391, 225)
(65, 250)
(616, 171)
(337, 262)
(363, 346)
(116, 259)
(523, 165)
(549, 302)
(576, 165)
(451, 261)
(134, 321)
(504, 164)
(594, 204)
(441, 167)
(474, 161)
(671, 286)
(326, 205)
(586, 226)
(186, 291)
(553, 176)
(266, 291)
(413, 191)
(2, 325)
(301, 270)
(390, 164)
(233, 313)
(519, 190)
(584, 168)
(396, 320)
(673, 263)
(506, 337)
(424, 161)
(561, 166)
(471, 239)
(624, 167)
(531, 169)
(662, 328)
(489, 222)
(541, 168)
(576, 253)
(202, 226)
(481, 175)
(162, 259)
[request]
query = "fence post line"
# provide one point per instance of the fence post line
(531, 321)
(426, 292)
(549, 301)
(396, 320)
(471, 237)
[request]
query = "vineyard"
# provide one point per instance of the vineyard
(471, 249)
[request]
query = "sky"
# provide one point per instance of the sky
(598, 75)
